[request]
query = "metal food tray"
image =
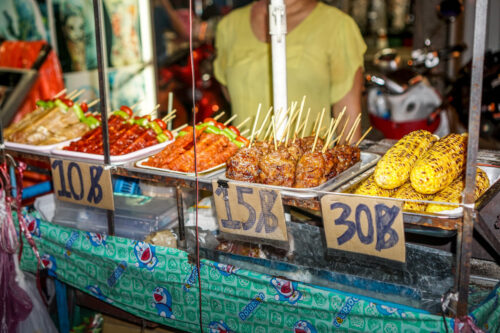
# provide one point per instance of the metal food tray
(35, 148)
(208, 172)
(115, 159)
(493, 174)
(367, 160)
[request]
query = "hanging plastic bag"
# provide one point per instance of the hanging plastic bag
(39, 319)
(15, 304)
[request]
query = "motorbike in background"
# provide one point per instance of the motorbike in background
(401, 98)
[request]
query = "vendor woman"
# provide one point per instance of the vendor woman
(324, 50)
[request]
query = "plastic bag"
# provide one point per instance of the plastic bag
(39, 319)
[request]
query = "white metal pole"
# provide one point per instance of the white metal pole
(277, 30)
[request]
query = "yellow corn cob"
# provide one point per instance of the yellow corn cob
(406, 191)
(369, 187)
(453, 193)
(440, 165)
(394, 168)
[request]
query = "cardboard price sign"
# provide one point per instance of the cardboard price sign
(82, 183)
(249, 211)
(370, 226)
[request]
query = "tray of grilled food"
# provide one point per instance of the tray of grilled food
(427, 170)
(53, 122)
(213, 148)
(296, 169)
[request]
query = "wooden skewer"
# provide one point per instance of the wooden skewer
(254, 125)
(328, 135)
(169, 114)
(94, 102)
(243, 122)
(168, 118)
(364, 136)
(136, 104)
(77, 94)
(288, 126)
(179, 128)
(274, 133)
(68, 96)
(233, 117)
(315, 124)
(59, 94)
(337, 122)
(296, 134)
(219, 115)
(264, 122)
(305, 123)
(297, 124)
(343, 128)
(244, 132)
(268, 131)
(353, 128)
(317, 132)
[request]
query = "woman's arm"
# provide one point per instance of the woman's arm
(352, 102)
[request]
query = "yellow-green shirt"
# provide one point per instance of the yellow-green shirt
(323, 54)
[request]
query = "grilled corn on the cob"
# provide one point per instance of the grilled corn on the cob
(440, 165)
(453, 193)
(406, 191)
(369, 187)
(393, 169)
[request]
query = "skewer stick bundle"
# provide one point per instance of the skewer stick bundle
(317, 132)
(233, 117)
(255, 124)
(363, 136)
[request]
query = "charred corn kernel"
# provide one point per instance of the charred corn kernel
(440, 165)
(406, 191)
(394, 168)
(369, 187)
(453, 193)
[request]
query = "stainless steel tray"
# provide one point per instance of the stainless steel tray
(367, 160)
(493, 175)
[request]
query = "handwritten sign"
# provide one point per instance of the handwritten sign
(82, 183)
(250, 211)
(369, 226)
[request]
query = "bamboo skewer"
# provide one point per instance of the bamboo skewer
(315, 124)
(179, 128)
(305, 123)
(291, 119)
(328, 135)
(77, 94)
(343, 128)
(273, 120)
(363, 136)
(267, 131)
(317, 132)
(233, 117)
(243, 122)
(136, 104)
(59, 94)
(94, 102)
(219, 115)
(297, 124)
(254, 125)
(244, 132)
(261, 128)
(353, 128)
(69, 96)
(168, 115)
(337, 122)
